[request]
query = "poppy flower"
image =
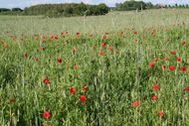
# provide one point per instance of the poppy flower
(111, 48)
(154, 98)
(104, 37)
(186, 89)
(161, 114)
(136, 104)
(173, 52)
(156, 87)
(46, 115)
(135, 32)
(183, 69)
(172, 68)
(104, 45)
(83, 98)
(102, 53)
(72, 90)
(56, 37)
(78, 33)
(46, 81)
(59, 60)
(152, 65)
(76, 67)
(179, 59)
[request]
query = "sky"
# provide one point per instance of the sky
(111, 3)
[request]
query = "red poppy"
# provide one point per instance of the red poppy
(152, 64)
(163, 67)
(161, 114)
(136, 104)
(156, 87)
(76, 67)
(173, 52)
(102, 53)
(46, 81)
(154, 97)
(104, 45)
(104, 37)
(135, 32)
(46, 115)
(183, 69)
(59, 60)
(186, 89)
(172, 68)
(83, 98)
(179, 59)
(72, 90)
(78, 33)
(111, 48)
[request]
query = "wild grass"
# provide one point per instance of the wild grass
(116, 61)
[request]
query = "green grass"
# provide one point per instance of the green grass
(115, 80)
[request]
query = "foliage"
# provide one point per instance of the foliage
(129, 77)
(56, 10)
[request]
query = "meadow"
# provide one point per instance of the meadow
(120, 69)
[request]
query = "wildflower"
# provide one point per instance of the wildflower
(102, 53)
(161, 114)
(173, 52)
(156, 87)
(78, 33)
(179, 59)
(135, 32)
(104, 37)
(46, 115)
(172, 68)
(111, 48)
(46, 81)
(136, 104)
(72, 90)
(183, 69)
(76, 67)
(59, 60)
(104, 45)
(154, 98)
(152, 64)
(186, 89)
(83, 98)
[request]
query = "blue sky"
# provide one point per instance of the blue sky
(25, 3)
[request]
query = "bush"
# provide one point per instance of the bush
(56, 10)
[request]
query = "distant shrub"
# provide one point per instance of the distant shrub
(73, 9)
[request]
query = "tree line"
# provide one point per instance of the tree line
(57, 10)
(140, 5)
(81, 9)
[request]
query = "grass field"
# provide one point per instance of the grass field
(121, 69)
